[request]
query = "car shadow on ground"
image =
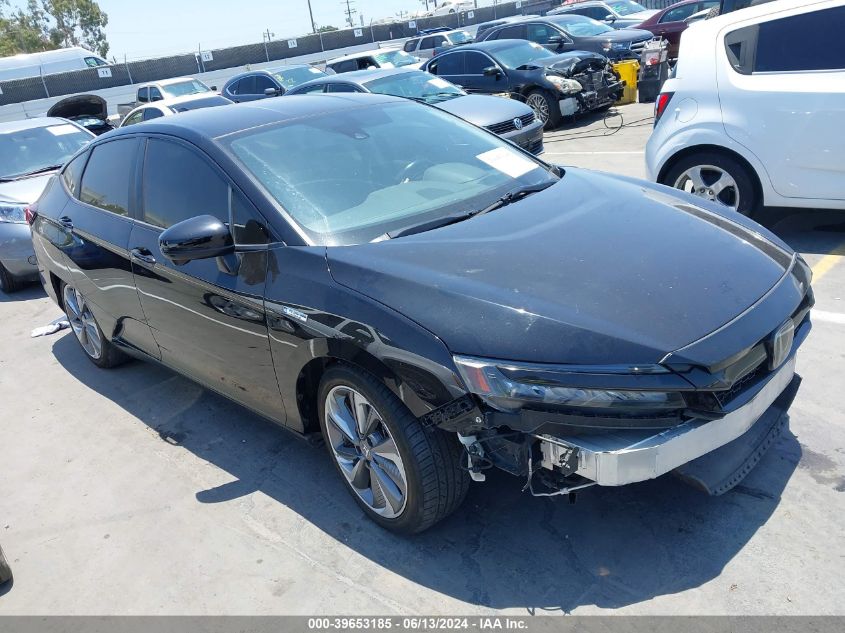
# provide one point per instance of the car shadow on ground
(502, 548)
(808, 231)
(30, 291)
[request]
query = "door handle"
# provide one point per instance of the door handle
(66, 222)
(143, 255)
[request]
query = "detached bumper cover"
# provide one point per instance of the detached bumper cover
(623, 457)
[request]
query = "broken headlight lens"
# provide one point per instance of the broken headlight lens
(493, 381)
(564, 85)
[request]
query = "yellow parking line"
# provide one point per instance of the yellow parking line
(828, 261)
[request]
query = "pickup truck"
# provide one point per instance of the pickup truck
(164, 89)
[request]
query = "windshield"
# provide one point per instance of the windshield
(394, 58)
(185, 88)
(582, 26)
(347, 178)
(459, 37)
(290, 77)
(521, 54)
(415, 84)
(626, 7)
(27, 151)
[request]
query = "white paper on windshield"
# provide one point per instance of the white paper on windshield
(61, 130)
(508, 161)
(437, 82)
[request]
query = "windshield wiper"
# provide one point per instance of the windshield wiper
(34, 172)
(511, 196)
(514, 195)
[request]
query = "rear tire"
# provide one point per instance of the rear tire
(545, 106)
(426, 463)
(8, 283)
(88, 334)
(717, 177)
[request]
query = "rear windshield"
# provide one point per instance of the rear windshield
(581, 26)
(30, 151)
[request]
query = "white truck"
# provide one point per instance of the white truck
(164, 89)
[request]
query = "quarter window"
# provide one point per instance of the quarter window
(72, 172)
(179, 184)
(768, 47)
(108, 175)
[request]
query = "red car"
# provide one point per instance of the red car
(669, 23)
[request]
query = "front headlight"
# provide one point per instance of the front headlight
(564, 85)
(508, 387)
(13, 213)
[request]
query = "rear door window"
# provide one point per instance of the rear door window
(108, 176)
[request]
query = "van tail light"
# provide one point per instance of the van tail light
(661, 104)
(30, 213)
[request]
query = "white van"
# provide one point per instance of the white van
(48, 63)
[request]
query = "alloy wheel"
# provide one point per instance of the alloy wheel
(710, 182)
(82, 322)
(538, 103)
(366, 451)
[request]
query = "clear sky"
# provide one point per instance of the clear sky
(160, 27)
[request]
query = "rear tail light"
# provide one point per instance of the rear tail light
(30, 213)
(661, 104)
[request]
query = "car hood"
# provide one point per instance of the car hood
(484, 110)
(627, 35)
(573, 62)
(593, 270)
(24, 191)
(80, 105)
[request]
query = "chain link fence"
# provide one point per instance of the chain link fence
(128, 73)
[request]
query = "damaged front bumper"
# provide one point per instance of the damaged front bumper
(628, 456)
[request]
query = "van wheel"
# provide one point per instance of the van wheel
(405, 478)
(716, 177)
(545, 107)
(98, 350)
(8, 283)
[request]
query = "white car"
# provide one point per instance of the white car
(376, 58)
(429, 44)
(753, 115)
(445, 7)
(169, 107)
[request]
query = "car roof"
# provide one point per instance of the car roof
(214, 123)
(359, 76)
(168, 82)
(373, 51)
(28, 124)
(490, 46)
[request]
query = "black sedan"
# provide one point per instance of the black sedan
(570, 32)
(508, 118)
(260, 84)
(431, 300)
(553, 86)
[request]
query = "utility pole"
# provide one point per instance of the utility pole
(349, 11)
(267, 37)
(311, 14)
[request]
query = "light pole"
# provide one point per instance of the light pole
(267, 37)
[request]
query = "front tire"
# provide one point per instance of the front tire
(717, 177)
(88, 334)
(545, 107)
(403, 477)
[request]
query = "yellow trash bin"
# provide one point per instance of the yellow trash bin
(627, 71)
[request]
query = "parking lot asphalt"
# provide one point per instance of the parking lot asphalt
(135, 491)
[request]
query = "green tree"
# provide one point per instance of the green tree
(50, 24)
(326, 29)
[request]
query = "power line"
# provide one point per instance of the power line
(349, 11)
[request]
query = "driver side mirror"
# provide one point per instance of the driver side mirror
(492, 71)
(610, 18)
(213, 88)
(555, 39)
(201, 237)
(274, 92)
